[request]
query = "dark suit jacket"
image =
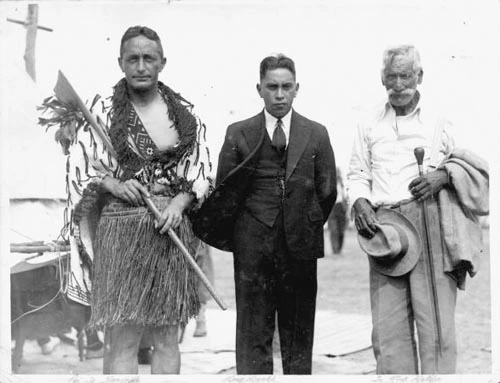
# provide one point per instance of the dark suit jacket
(310, 185)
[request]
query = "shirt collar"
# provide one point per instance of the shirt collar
(271, 124)
(271, 120)
(388, 109)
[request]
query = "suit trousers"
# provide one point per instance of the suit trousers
(401, 304)
(269, 281)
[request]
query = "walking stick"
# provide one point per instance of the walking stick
(151, 206)
(419, 155)
(66, 93)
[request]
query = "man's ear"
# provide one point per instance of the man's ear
(163, 63)
(297, 87)
(259, 88)
(420, 76)
(120, 63)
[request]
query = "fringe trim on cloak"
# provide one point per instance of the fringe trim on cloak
(178, 111)
(140, 276)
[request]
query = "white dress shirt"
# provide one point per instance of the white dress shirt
(382, 163)
(271, 124)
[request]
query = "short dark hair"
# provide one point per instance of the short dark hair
(275, 62)
(140, 30)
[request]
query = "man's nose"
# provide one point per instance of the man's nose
(398, 84)
(279, 93)
(140, 65)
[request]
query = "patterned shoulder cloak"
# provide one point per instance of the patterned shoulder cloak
(184, 168)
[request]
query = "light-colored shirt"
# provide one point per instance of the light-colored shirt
(271, 124)
(383, 163)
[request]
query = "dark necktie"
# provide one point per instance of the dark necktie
(279, 138)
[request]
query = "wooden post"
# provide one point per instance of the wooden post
(31, 30)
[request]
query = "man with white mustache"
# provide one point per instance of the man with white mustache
(383, 173)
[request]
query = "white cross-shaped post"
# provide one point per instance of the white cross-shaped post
(31, 25)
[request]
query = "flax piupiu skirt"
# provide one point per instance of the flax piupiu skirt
(140, 276)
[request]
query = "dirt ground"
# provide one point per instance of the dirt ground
(343, 286)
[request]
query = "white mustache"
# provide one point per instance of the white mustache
(406, 92)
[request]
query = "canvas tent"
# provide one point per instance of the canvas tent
(35, 171)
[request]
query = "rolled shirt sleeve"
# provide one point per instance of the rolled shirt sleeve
(359, 177)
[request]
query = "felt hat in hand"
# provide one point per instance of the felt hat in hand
(395, 248)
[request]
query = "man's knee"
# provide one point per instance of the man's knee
(123, 340)
(166, 339)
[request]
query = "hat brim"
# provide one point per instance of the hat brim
(406, 263)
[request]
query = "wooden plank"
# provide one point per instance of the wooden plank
(339, 334)
(335, 333)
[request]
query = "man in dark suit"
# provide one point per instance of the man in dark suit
(276, 185)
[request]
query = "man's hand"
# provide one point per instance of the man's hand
(130, 190)
(426, 186)
(364, 218)
(171, 216)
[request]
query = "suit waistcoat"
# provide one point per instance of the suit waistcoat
(264, 199)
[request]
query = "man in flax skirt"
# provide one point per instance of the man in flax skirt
(140, 279)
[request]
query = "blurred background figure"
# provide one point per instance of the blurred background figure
(47, 344)
(337, 221)
(94, 346)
